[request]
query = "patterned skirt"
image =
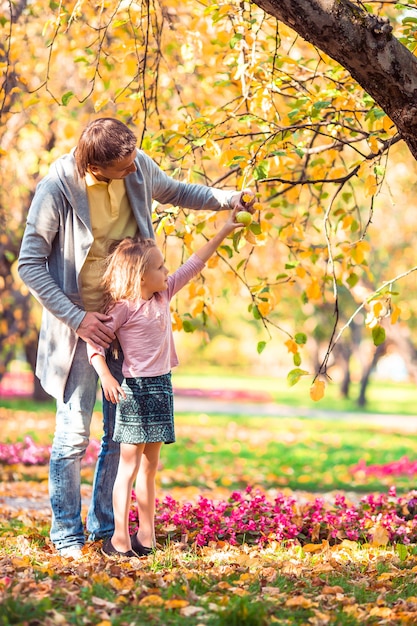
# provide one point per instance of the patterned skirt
(146, 415)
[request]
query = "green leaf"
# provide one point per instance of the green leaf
(255, 228)
(67, 97)
(188, 326)
(378, 335)
(199, 142)
(294, 376)
(297, 359)
(300, 339)
(260, 172)
(352, 280)
(228, 251)
(236, 37)
(255, 313)
(237, 236)
(261, 346)
(321, 105)
(402, 551)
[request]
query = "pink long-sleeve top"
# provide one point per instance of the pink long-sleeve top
(144, 329)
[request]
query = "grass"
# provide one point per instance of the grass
(305, 454)
(385, 397)
(232, 451)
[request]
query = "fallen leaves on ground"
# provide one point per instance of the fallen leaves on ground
(279, 582)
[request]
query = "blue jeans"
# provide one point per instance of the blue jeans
(72, 432)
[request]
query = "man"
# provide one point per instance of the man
(102, 191)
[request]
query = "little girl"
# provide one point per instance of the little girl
(138, 291)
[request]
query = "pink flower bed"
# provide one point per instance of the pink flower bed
(253, 517)
(30, 453)
(403, 467)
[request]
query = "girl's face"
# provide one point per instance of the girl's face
(155, 277)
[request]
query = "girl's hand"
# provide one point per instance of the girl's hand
(231, 223)
(112, 389)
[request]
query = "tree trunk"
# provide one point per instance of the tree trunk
(366, 375)
(362, 43)
(39, 393)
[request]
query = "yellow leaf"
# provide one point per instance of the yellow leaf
(332, 590)
(264, 307)
(313, 291)
(299, 601)
(213, 262)
(317, 390)
(380, 536)
(250, 237)
(313, 547)
(169, 229)
(381, 611)
(386, 123)
(347, 221)
(377, 307)
(198, 307)
(232, 157)
(370, 185)
(176, 321)
(175, 603)
(359, 250)
(395, 313)
(386, 576)
(100, 103)
(188, 239)
(373, 144)
(152, 600)
(292, 346)
(122, 584)
(21, 562)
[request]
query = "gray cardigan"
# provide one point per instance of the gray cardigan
(57, 240)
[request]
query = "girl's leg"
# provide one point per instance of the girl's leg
(145, 493)
(100, 521)
(129, 463)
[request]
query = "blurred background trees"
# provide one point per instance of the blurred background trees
(226, 95)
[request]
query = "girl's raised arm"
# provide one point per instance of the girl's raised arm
(209, 248)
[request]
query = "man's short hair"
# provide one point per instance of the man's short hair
(102, 142)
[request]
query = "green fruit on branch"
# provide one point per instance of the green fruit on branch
(244, 217)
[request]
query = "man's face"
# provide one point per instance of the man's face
(116, 169)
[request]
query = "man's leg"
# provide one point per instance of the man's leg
(100, 519)
(72, 431)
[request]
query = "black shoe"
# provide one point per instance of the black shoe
(138, 547)
(110, 552)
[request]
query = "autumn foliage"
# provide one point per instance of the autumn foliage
(222, 94)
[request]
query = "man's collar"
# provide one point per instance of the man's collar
(91, 180)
